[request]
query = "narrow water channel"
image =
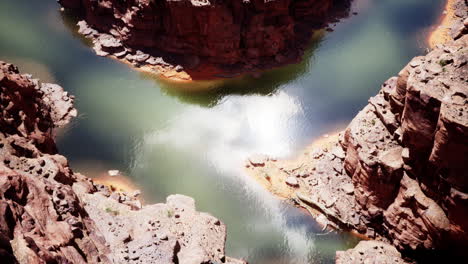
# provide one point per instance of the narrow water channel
(169, 140)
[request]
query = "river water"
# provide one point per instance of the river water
(168, 140)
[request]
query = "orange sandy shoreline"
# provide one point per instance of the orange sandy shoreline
(116, 183)
(441, 32)
(275, 185)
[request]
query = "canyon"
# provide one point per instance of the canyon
(395, 176)
(202, 39)
(49, 214)
(397, 173)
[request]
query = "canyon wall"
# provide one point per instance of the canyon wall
(407, 151)
(49, 214)
(398, 172)
(224, 32)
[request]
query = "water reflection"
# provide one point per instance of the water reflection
(173, 141)
(224, 136)
(210, 92)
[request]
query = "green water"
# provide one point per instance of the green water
(171, 141)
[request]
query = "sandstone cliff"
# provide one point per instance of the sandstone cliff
(48, 214)
(230, 33)
(398, 173)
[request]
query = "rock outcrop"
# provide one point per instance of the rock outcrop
(370, 252)
(398, 171)
(48, 214)
(175, 35)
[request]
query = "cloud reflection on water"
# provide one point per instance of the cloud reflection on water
(224, 136)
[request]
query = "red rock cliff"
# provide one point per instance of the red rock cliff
(398, 172)
(49, 214)
(221, 31)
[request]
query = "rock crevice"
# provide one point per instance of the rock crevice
(397, 173)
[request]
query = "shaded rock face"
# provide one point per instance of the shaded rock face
(224, 32)
(398, 171)
(408, 165)
(41, 217)
(427, 103)
(48, 214)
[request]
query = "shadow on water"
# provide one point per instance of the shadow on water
(209, 93)
(70, 21)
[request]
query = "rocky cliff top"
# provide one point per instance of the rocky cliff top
(48, 214)
(397, 173)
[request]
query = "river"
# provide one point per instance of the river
(168, 139)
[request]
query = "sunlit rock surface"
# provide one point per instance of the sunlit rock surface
(48, 214)
(398, 171)
(370, 252)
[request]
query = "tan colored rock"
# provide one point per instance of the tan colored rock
(367, 141)
(292, 181)
(367, 252)
(415, 221)
(48, 214)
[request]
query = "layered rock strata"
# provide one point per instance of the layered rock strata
(48, 214)
(176, 36)
(398, 171)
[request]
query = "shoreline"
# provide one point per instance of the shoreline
(51, 213)
(440, 33)
(359, 179)
(276, 184)
(172, 67)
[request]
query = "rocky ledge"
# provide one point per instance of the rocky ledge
(197, 39)
(48, 214)
(398, 172)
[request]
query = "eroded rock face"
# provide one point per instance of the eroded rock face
(42, 218)
(370, 252)
(48, 214)
(413, 175)
(222, 32)
(398, 171)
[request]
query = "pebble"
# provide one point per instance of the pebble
(338, 152)
(292, 181)
(113, 172)
(258, 160)
(348, 188)
(329, 203)
(109, 42)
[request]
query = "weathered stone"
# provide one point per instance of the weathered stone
(405, 154)
(348, 188)
(258, 160)
(367, 252)
(415, 221)
(292, 181)
(50, 214)
(226, 32)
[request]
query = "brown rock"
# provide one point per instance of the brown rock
(403, 178)
(223, 32)
(370, 252)
(48, 214)
(414, 220)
